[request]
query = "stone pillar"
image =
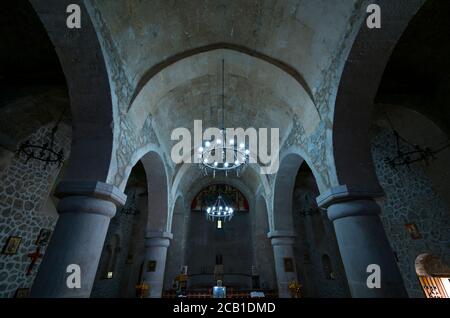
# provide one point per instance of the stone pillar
(283, 253)
(84, 211)
(362, 242)
(156, 244)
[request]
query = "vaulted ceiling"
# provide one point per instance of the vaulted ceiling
(277, 55)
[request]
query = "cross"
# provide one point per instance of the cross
(34, 257)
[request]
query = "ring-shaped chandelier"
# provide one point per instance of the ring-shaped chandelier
(220, 211)
(223, 154)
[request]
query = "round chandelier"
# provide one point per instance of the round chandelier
(219, 211)
(45, 151)
(223, 154)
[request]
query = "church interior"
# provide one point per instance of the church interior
(351, 200)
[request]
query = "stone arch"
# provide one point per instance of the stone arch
(286, 88)
(356, 93)
(138, 155)
(149, 74)
(283, 191)
(92, 111)
(184, 171)
(158, 192)
(178, 204)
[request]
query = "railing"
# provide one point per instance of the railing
(231, 293)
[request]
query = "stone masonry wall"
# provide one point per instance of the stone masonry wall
(410, 198)
(24, 189)
(316, 238)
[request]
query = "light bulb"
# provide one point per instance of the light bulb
(219, 141)
(205, 160)
(220, 208)
(200, 149)
(232, 142)
(226, 165)
(242, 146)
(247, 151)
(207, 144)
(236, 162)
(216, 163)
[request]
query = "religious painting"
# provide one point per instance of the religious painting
(12, 245)
(22, 293)
(288, 265)
(218, 272)
(43, 237)
(208, 196)
(413, 231)
(151, 266)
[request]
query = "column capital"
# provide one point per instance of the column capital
(91, 189)
(274, 234)
(155, 238)
(158, 234)
(281, 237)
(344, 193)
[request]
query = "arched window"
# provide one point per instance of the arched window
(327, 267)
(111, 253)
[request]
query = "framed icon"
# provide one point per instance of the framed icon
(12, 245)
(43, 237)
(22, 293)
(151, 266)
(413, 231)
(288, 265)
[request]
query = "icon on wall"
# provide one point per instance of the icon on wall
(12, 245)
(413, 231)
(288, 265)
(151, 266)
(43, 237)
(22, 293)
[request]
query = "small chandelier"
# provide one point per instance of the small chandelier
(408, 153)
(223, 154)
(46, 151)
(219, 211)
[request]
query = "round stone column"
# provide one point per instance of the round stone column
(85, 211)
(283, 253)
(363, 245)
(156, 244)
